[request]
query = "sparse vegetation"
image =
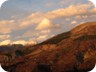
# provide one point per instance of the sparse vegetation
(44, 68)
(86, 37)
(19, 53)
(80, 57)
(57, 38)
(67, 54)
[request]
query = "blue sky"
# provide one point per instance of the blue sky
(19, 7)
(38, 20)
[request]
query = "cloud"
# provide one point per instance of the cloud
(23, 42)
(49, 4)
(34, 34)
(46, 24)
(31, 42)
(62, 2)
(42, 38)
(69, 11)
(67, 19)
(2, 37)
(45, 31)
(37, 17)
(30, 33)
(6, 26)
(45, 20)
(34, 18)
(82, 17)
(5, 42)
(78, 17)
(85, 16)
(74, 22)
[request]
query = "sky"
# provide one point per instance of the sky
(32, 21)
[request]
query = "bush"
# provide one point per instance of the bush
(19, 53)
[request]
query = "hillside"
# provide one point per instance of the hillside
(73, 51)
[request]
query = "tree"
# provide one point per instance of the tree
(44, 68)
(80, 57)
(9, 56)
(19, 53)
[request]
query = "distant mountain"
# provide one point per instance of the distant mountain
(73, 51)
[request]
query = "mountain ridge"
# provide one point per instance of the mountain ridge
(70, 51)
(82, 29)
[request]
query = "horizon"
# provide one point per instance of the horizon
(38, 21)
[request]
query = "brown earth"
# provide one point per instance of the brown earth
(73, 51)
